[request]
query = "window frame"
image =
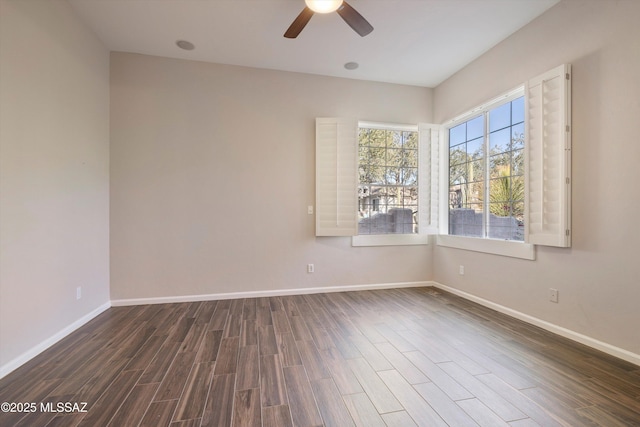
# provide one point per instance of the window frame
(482, 111)
(421, 237)
(547, 157)
(503, 247)
(548, 149)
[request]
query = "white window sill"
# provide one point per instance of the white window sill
(491, 246)
(390, 239)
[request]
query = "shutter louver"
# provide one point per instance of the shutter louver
(428, 178)
(548, 161)
(336, 177)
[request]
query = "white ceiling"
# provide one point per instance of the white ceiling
(415, 42)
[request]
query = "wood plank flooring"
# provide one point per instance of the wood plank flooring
(398, 357)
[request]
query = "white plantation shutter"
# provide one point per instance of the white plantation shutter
(548, 159)
(428, 178)
(336, 177)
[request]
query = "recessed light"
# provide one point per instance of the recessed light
(351, 65)
(183, 44)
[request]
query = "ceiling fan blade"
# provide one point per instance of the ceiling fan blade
(354, 19)
(299, 23)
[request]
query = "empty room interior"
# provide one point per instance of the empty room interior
(203, 222)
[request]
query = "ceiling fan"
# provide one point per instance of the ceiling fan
(348, 13)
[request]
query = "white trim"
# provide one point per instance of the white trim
(336, 177)
(551, 327)
(567, 333)
(44, 345)
(428, 177)
(389, 239)
(547, 201)
(508, 248)
(443, 185)
(387, 126)
(489, 105)
(268, 293)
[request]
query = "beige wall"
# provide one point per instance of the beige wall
(54, 183)
(212, 170)
(599, 277)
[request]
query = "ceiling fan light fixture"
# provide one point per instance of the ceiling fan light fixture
(323, 6)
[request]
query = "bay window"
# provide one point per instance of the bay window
(496, 179)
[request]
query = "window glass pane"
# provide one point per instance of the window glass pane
(500, 141)
(476, 170)
(410, 140)
(466, 221)
(388, 172)
(402, 158)
(499, 193)
(394, 139)
(458, 154)
(517, 162)
(517, 136)
(476, 192)
(409, 196)
(410, 176)
(372, 172)
(455, 198)
(499, 165)
(517, 110)
(409, 158)
(517, 192)
(500, 117)
(364, 227)
(463, 189)
(506, 227)
(477, 207)
(458, 174)
(376, 138)
(457, 134)
(475, 148)
(502, 227)
(393, 157)
(363, 151)
(518, 214)
(470, 166)
(363, 136)
(377, 193)
(475, 128)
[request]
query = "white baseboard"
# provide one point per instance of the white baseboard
(34, 351)
(583, 339)
(558, 330)
(270, 293)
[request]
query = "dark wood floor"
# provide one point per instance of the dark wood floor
(398, 357)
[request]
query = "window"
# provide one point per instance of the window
(388, 179)
(513, 148)
(486, 172)
(505, 168)
(394, 158)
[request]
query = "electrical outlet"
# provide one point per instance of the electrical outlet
(553, 295)
(310, 268)
(461, 270)
(79, 292)
(310, 210)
